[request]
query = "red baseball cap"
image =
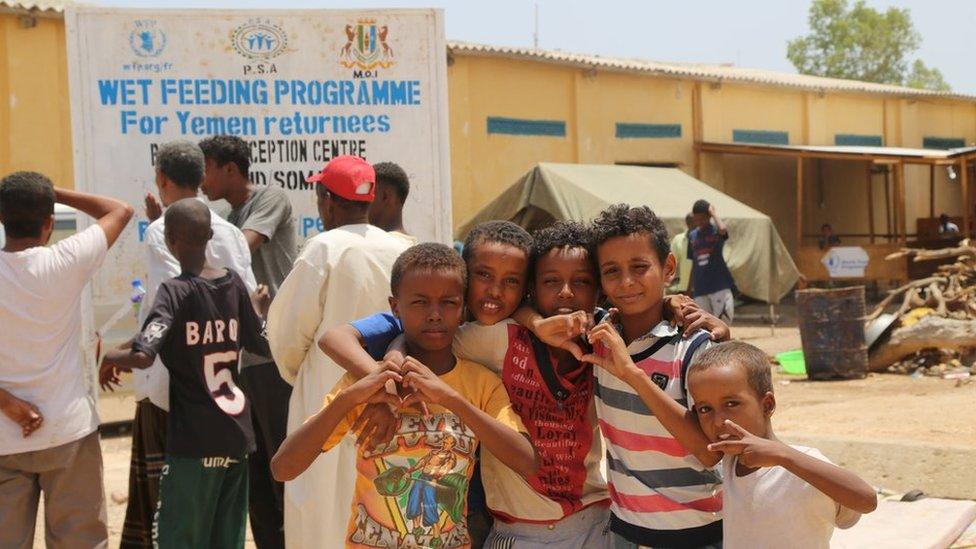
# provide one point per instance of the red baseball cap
(348, 177)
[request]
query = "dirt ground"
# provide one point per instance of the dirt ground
(928, 415)
(883, 406)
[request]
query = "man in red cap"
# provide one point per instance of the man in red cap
(346, 188)
(341, 275)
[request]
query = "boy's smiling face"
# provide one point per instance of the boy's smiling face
(631, 273)
(564, 282)
(496, 281)
(723, 392)
(429, 305)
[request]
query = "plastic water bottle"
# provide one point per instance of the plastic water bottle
(138, 293)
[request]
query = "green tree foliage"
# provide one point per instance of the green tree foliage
(860, 43)
(926, 78)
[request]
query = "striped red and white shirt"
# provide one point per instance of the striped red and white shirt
(661, 495)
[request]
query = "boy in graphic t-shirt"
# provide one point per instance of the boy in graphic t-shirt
(411, 491)
(198, 324)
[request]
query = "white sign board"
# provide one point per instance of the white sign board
(300, 86)
(846, 261)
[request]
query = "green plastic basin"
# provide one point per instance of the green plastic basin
(792, 362)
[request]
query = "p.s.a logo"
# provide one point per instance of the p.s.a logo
(259, 40)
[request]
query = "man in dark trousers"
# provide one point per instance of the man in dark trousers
(264, 215)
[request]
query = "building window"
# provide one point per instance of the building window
(943, 142)
(765, 137)
(520, 126)
(852, 140)
(650, 164)
(627, 130)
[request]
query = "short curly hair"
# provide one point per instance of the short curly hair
(700, 206)
(228, 148)
(181, 162)
(625, 220)
(498, 231)
(751, 358)
(427, 257)
(26, 203)
(561, 234)
(390, 173)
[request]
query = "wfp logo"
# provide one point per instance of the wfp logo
(366, 46)
(146, 39)
(259, 40)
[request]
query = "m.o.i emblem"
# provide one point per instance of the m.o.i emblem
(366, 46)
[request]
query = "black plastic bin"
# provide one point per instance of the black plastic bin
(832, 331)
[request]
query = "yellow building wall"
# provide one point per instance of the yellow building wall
(589, 103)
(483, 164)
(851, 115)
(35, 120)
(738, 107)
(605, 99)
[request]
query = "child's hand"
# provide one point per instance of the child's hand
(562, 331)
(753, 451)
(697, 319)
(425, 384)
(153, 208)
(675, 308)
(395, 356)
(109, 375)
(376, 425)
(22, 413)
(682, 310)
(261, 300)
(373, 388)
(610, 351)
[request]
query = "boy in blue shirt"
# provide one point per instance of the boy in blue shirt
(711, 280)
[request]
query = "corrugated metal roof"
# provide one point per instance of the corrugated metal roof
(699, 71)
(904, 152)
(39, 5)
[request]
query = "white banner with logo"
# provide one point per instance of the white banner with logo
(846, 261)
(300, 86)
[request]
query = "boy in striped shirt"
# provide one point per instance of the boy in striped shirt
(663, 494)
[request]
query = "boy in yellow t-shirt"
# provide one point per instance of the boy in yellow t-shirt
(412, 490)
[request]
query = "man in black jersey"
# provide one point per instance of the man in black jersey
(198, 324)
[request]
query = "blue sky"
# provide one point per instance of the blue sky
(749, 33)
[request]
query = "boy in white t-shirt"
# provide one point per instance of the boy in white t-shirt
(776, 495)
(41, 364)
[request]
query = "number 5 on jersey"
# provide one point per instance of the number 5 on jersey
(220, 381)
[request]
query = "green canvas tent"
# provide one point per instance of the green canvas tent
(760, 263)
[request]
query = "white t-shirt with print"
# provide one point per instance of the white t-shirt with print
(773, 508)
(227, 249)
(41, 358)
